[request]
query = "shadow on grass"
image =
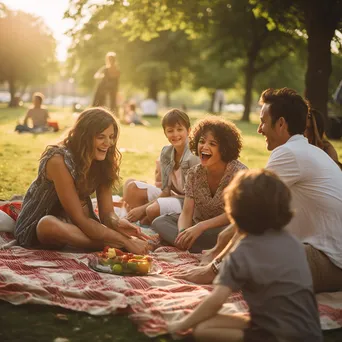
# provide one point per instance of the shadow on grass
(42, 323)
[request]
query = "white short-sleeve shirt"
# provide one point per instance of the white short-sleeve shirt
(315, 182)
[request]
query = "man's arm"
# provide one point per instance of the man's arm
(284, 163)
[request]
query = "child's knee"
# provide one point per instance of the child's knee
(128, 181)
(46, 227)
(130, 188)
(153, 211)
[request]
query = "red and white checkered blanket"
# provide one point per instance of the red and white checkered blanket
(64, 279)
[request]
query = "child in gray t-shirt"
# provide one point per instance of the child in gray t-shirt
(267, 264)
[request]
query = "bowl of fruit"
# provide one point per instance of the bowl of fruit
(115, 261)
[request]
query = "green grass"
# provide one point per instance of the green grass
(19, 155)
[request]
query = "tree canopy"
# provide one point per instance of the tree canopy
(255, 34)
(318, 20)
(27, 50)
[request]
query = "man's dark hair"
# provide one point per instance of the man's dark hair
(257, 200)
(287, 103)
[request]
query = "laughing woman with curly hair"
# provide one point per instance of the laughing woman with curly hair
(217, 143)
(57, 209)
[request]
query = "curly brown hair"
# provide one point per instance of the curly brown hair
(257, 200)
(80, 142)
(225, 132)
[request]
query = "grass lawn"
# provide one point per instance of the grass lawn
(19, 155)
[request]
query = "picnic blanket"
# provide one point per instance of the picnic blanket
(64, 279)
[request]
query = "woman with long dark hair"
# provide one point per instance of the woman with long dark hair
(315, 133)
(57, 209)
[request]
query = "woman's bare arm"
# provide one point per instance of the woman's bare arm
(105, 205)
(59, 174)
(185, 218)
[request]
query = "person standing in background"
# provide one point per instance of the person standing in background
(109, 84)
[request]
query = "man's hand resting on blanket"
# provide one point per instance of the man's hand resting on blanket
(197, 275)
(136, 214)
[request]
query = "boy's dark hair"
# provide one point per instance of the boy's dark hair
(257, 200)
(132, 106)
(39, 96)
(225, 132)
(287, 103)
(175, 116)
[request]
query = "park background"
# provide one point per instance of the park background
(176, 52)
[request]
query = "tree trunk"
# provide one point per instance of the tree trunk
(212, 101)
(153, 90)
(12, 91)
(167, 99)
(249, 79)
(320, 29)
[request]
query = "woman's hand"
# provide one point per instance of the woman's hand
(187, 237)
(136, 214)
(137, 246)
(127, 228)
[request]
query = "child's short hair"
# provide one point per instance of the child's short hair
(175, 116)
(257, 200)
(39, 96)
(132, 106)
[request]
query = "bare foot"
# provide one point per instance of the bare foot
(197, 275)
(137, 246)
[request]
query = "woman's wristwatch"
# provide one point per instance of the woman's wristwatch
(215, 265)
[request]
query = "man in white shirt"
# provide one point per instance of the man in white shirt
(315, 182)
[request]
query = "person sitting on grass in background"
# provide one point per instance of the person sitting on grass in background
(315, 134)
(217, 142)
(146, 202)
(267, 264)
(37, 115)
(57, 210)
(132, 117)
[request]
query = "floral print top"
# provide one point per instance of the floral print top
(197, 187)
